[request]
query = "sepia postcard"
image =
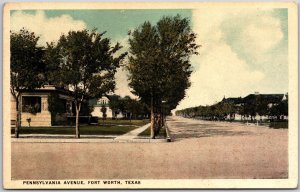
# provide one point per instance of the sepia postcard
(150, 95)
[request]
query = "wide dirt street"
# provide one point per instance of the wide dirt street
(201, 149)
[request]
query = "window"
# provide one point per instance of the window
(31, 104)
(102, 102)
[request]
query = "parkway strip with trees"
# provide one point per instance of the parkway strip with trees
(85, 63)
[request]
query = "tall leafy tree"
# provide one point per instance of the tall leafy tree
(103, 111)
(86, 63)
(279, 109)
(159, 64)
(130, 108)
(115, 104)
(26, 67)
(56, 106)
(261, 105)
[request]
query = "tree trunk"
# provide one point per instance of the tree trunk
(77, 124)
(162, 119)
(158, 123)
(152, 124)
(78, 106)
(18, 123)
(18, 117)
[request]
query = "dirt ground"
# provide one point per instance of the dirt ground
(201, 149)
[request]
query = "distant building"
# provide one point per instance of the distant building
(98, 103)
(232, 100)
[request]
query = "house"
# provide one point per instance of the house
(98, 103)
(35, 106)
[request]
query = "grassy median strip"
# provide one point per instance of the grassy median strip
(108, 128)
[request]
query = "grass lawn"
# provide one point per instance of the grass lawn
(123, 122)
(274, 124)
(162, 132)
(279, 124)
(107, 129)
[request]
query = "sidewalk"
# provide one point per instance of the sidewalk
(132, 134)
(130, 137)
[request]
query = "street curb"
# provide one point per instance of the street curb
(59, 140)
(126, 138)
(59, 136)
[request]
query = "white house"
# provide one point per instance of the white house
(103, 102)
(98, 104)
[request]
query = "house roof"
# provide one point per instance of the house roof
(233, 100)
(93, 102)
(50, 88)
(270, 98)
(252, 98)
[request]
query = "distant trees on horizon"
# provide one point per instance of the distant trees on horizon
(269, 106)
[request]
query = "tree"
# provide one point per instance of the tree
(26, 67)
(134, 108)
(55, 106)
(103, 111)
(86, 64)
(229, 109)
(115, 104)
(279, 109)
(261, 106)
(159, 64)
(250, 110)
(124, 104)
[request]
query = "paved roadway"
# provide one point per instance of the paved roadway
(201, 149)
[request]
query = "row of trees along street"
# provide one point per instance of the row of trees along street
(273, 107)
(85, 62)
(128, 107)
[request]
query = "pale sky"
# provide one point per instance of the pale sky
(242, 50)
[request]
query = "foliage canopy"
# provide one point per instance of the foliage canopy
(159, 63)
(84, 62)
